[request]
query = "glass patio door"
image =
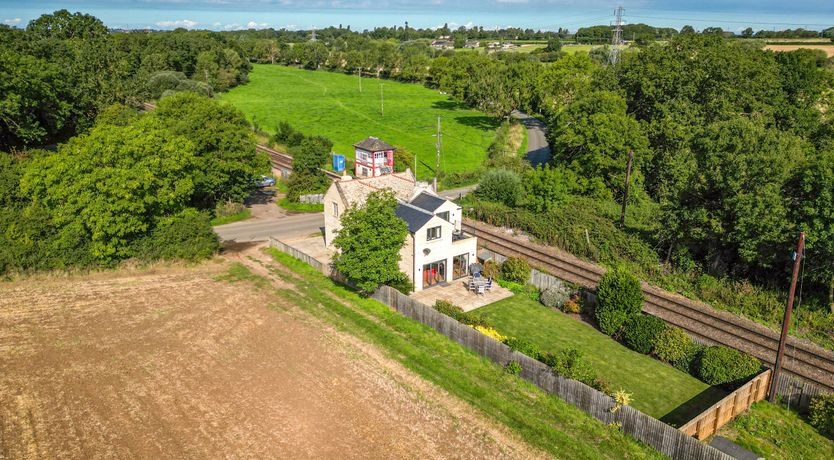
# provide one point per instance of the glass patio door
(461, 266)
(434, 273)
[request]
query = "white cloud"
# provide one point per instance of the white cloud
(12, 22)
(184, 23)
(248, 25)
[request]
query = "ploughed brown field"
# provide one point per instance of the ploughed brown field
(172, 362)
(829, 49)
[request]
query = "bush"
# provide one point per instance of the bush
(501, 186)
(620, 290)
(448, 308)
(570, 363)
(491, 269)
(283, 133)
(555, 296)
(490, 332)
(186, 235)
(523, 346)
(402, 283)
(228, 208)
(403, 159)
(515, 269)
(572, 306)
(641, 332)
(821, 414)
(672, 345)
(512, 368)
(611, 321)
(721, 365)
(453, 311)
(689, 361)
(303, 183)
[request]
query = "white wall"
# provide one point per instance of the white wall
(332, 223)
(440, 249)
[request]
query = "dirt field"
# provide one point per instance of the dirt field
(172, 363)
(829, 49)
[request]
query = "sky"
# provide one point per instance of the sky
(367, 14)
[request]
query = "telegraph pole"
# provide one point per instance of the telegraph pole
(381, 101)
(617, 37)
(625, 193)
(777, 367)
(437, 145)
(360, 79)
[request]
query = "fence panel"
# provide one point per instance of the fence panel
(309, 260)
(711, 420)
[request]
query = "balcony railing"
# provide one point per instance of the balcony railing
(461, 235)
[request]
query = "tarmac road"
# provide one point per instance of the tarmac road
(538, 150)
(262, 229)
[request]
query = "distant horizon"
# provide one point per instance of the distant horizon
(220, 15)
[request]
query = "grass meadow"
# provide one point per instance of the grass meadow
(330, 104)
(657, 389)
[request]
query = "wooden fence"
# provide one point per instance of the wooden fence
(642, 427)
(719, 414)
(309, 260)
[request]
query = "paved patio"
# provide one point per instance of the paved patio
(312, 245)
(458, 293)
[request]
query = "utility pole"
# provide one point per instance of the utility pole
(437, 145)
(625, 193)
(360, 79)
(777, 367)
(381, 101)
(617, 37)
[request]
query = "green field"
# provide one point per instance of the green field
(330, 104)
(658, 389)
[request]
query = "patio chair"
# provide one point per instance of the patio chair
(477, 275)
(481, 289)
(489, 284)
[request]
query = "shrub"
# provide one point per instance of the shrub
(402, 283)
(513, 368)
(228, 208)
(570, 363)
(403, 159)
(601, 385)
(302, 183)
(448, 308)
(491, 269)
(515, 269)
(821, 414)
(620, 290)
(672, 345)
(689, 361)
(611, 321)
(283, 133)
(572, 306)
(186, 235)
(501, 186)
(490, 332)
(523, 346)
(641, 331)
(721, 365)
(555, 296)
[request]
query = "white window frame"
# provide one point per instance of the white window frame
(429, 232)
(335, 209)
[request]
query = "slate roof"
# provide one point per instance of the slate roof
(428, 201)
(372, 144)
(356, 191)
(415, 217)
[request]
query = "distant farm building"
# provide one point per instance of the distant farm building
(442, 44)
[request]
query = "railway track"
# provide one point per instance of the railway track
(803, 359)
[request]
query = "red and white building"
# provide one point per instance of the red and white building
(374, 157)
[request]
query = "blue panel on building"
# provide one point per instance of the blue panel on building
(338, 163)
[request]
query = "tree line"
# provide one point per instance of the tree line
(63, 68)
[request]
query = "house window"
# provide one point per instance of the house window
(460, 267)
(444, 216)
(364, 171)
(433, 233)
(335, 209)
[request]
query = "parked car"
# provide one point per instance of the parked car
(265, 181)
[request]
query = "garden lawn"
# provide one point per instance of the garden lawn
(330, 104)
(542, 420)
(774, 432)
(657, 389)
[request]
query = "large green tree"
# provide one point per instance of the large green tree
(224, 146)
(111, 184)
(369, 242)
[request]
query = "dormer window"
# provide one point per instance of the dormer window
(433, 233)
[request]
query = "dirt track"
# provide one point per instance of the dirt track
(170, 363)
